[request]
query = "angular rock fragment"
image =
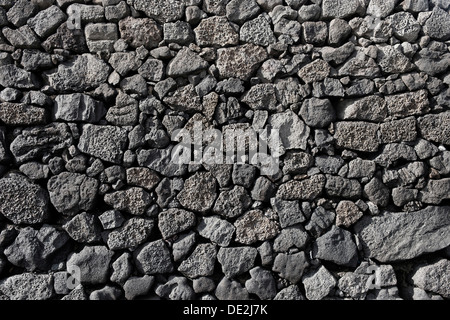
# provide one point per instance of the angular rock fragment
(257, 31)
(435, 191)
(403, 236)
(19, 114)
(292, 133)
(433, 277)
(253, 226)
(437, 25)
(37, 141)
(93, 263)
(84, 228)
(78, 107)
(160, 160)
(28, 286)
(261, 283)
(307, 189)
(201, 262)
(216, 31)
(133, 200)
(317, 113)
(153, 257)
(239, 62)
(408, 104)
(161, 11)
(232, 203)
(358, 135)
(435, 127)
(347, 213)
(236, 260)
(341, 187)
(186, 62)
(199, 192)
(133, 232)
(319, 283)
(370, 108)
(84, 72)
(290, 237)
(184, 99)
(231, 290)
(71, 193)
(331, 9)
(337, 246)
(140, 32)
(177, 288)
(174, 221)
(105, 142)
(216, 229)
(14, 77)
(47, 21)
(314, 71)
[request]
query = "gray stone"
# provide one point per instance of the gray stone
(405, 27)
(393, 152)
(35, 170)
(263, 189)
(268, 5)
(236, 260)
(314, 71)
(415, 5)
(239, 62)
(358, 135)
(329, 87)
(232, 203)
(320, 221)
(183, 245)
(36, 249)
(432, 60)
(437, 25)
(142, 177)
(14, 77)
(360, 66)
(185, 62)
(84, 228)
(240, 11)
(354, 285)
(35, 59)
(370, 108)
(290, 237)
(106, 293)
(292, 132)
(261, 283)
(307, 189)
(71, 193)
(104, 142)
(408, 104)
(261, 97)
(184, 99)
(203, 284)
(178, 32)
(84, 72)
(161, 11)
(392, 60)
(360, 87)
(177, 288)
(78, 107)
(125, 112)
(125, 62)
(140, 32)
(289, 212)
(231, 86)
(380, 9)
(28, 286)
(133, 232)
(22, 37)
(297, 162)
(47, 21)
(254, 226)
(290, 266)
(337, 246)
(433, 277)
(257, 31)
(122, 268)
(290, 293)
(138, 286)
(114, 13)
(37, 141)
(435, 191)
(93, 262)
(329, 164)
(216, 31)
(19, 114)
(331, 9)
(174, 221)
(347, 213)
(403, 236)
(435, 127)
(318, 283)
(111, 219)
(403, 130)
(338, 32)
(315, 32)
(88, 13)
(153, 257)
(285, 28)
(217, 230)
(402, 195)
(441, 162)
(317, 113)
(341, 187)
(377, 192)
(133, 200)
(199, 192)
(21, 11)
(160, 160)
(201, 262)
(231, 290)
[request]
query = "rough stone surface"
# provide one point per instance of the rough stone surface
(253, 226)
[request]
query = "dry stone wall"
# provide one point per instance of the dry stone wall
(348, 198)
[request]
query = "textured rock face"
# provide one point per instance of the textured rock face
(397, 236)
(224, 149)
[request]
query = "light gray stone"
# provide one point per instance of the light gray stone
(217, 230)
(236, 260)
(133, 232)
